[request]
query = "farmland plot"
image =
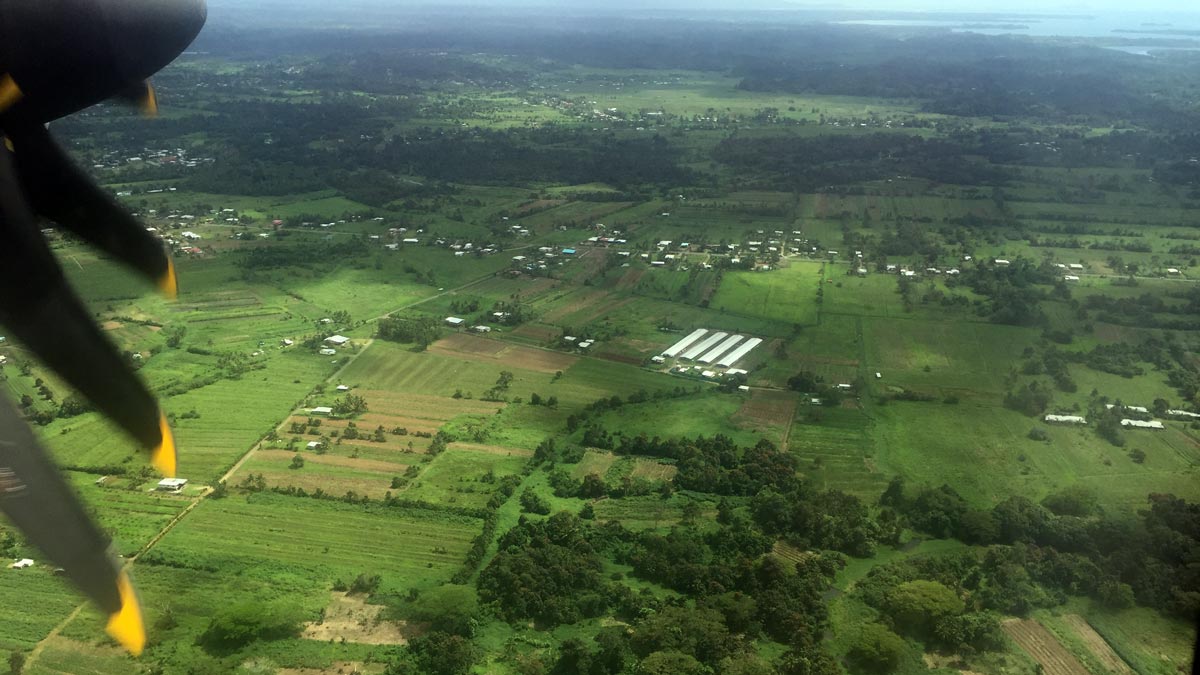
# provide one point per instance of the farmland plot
(1043, 647)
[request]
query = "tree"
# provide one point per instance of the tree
(917, 606)
(672, 663)
(16, 662)
(531, 502)
(450, 608)
(297, 462)
(439, 653)
(239, 624)
(877, 649)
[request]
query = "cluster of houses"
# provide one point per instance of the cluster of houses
(168, 157)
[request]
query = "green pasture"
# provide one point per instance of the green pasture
(787, 294)
(464, 477)
(319, 540)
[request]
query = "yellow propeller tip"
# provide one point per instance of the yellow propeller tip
(163, 457)
(10, 93)
(149, 102)
(125, 625)
(168, 283)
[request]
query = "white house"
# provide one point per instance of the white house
(21, 564)
(171, 484)
(327, 352)
(454, 321)
(1141, 424)
(337, 340)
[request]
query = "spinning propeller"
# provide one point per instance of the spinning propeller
(58, 57)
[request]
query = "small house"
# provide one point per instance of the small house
(313, 445)
(21, 564)
(342, 387)
(454, 321)
(322, 410)
(171, 484)
(337, 340)
(482, 329)
(327, 351)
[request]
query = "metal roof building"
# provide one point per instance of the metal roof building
(704, 345)
(720, 349)
(678, 347)
(736, 355)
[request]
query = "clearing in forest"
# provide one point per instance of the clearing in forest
(1043, 647)
(350, 618)
(1097, 645)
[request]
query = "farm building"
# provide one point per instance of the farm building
(342, 387)
(21, 564)
(703, 346)
(481, 329)
(738, 354)
(1076, 266)
(568, 251)
(1066, 419)
(171, 484)
(1001, 262)
(1134, 408)
(736, 371)
(1184, 413)
(743, 387)
(337, 340)
(1142, 424)
(322, 410)
(675, 349)
(1070, 277)
(1172, 270)
(454, 321)
(725, 345)
(286, 342)
(327, 352)
(313, 445)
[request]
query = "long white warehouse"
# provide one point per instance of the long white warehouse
(737, 354)
(678, 347)
(721, 348)
(704, 345)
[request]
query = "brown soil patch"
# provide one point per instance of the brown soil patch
(111, 325)
(338, 668)
(469, 344)
(630, 278)
(469, 347)
(337, 486)
(492, 449)
(537, 332)
(350, 618)
(424, 406)
(620, 358)
(1097, 645)
(390, 468)
(775, 408)
(1043, 647)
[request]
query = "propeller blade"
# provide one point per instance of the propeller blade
(58, 190)
(36, 498)
(67, 55)
(143, 96)
(41, 310)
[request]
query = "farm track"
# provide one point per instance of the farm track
(57, 630)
